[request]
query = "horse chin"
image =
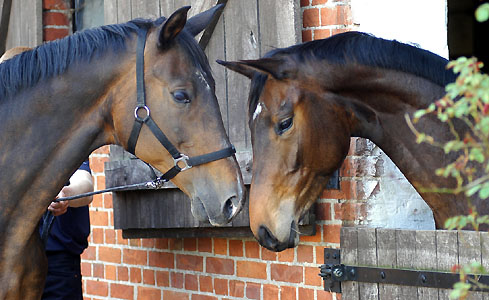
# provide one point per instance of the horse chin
(198, 210)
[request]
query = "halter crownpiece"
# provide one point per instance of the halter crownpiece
(181, 161)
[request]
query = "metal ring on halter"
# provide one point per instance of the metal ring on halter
(183, 158)
(140, 119)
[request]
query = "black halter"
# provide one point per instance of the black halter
(181, 161)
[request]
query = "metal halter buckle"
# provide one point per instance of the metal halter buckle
(183, 158)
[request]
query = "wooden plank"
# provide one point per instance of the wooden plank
(349, 253)
(147, 9)
(110, 12)
(406, 255)
(469, 250)
(447, 254)
(241, 27)
(280, 24)
(387, 258)
(367, 256)
(14, 33)
(426, 260)
(5, 9)
(124, 11)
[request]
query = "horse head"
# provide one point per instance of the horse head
(293, 155)
(180, 97)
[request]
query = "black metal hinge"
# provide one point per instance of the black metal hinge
(333, 273)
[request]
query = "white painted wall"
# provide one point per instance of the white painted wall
(395, 203)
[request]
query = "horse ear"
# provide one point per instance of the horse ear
(200, 21)
(173, 26)
(276, 67)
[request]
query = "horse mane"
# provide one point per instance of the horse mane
(54, 58)
(364, 49)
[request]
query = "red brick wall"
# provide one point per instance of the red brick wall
(218, 268)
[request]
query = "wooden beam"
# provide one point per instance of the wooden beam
(5, 6)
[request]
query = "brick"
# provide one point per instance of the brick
(305, 254)
(253, 290)
(148, 277)
(148, 293)
(292, 274)
(56, 4)
(205, 244)
(305, 3)
(109, 236)
(97, 163)
(108, 203)
(323, 295)
(236, 288)
(329, 16)
(161, 244)
(135, 257)
(268, 255)
(219, 266)
(220, 286)
(306, 293)
(190, 244)
(349, 211)
(311, 277)
(99, 218)
(236, 248)
(270, 291)
(306, 35)
(148, 243)
(135, 275)
(109, 254)
(89, 253)
(323, 211)
(175, 244)
(333, 193)
(287, 255)
(331, 233)
(319, 2)
(190, 262)
(161, 259)
(97, 236)
(310, 18)
(252, 249)
(288, 293)
(122, 273)
(121, 291)
(205, 284)
(110, 272)
(163, 278)
(98, 270)
(220, 246)
(171, 295)
(119, 239)
(86, 269)
(191, 282)
(251, 269)
(101, 150)
(203, 297)
(100, 182)
(135, 242)
(97, 202)
(176, 280)
(98, 288)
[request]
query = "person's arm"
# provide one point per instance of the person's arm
(80, 182)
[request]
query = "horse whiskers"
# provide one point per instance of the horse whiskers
(298, 232)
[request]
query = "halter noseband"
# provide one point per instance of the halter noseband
(181, 161)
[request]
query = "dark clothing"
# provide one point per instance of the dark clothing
(67, 239)
(64, 277)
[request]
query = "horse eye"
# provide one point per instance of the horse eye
(181, 96)
(283, 126)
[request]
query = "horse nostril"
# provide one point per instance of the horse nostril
(266, 239)
(229, 208)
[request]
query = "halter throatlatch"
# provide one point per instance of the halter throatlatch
(181, 161)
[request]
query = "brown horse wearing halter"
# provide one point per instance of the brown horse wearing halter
(64, 99)
(305, 103)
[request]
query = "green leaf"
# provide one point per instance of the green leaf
(473, 190)
(482, 12)
(484, 192)
(477, 155)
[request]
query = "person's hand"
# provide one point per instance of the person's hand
(59, 208)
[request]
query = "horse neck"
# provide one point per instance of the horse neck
(379, 101)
